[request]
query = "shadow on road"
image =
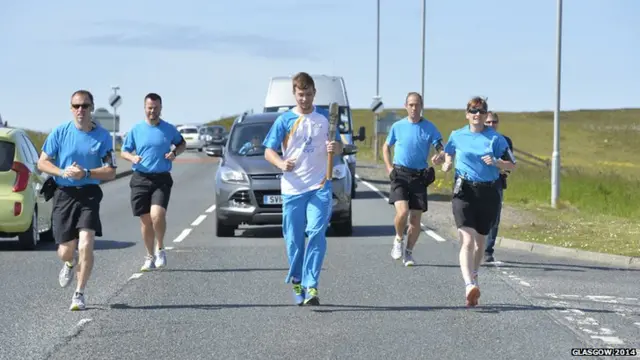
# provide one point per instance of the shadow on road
(197, 306)
(488, 308)
(226, 270)
(543, 267)
(9, 246)
(261, 232)
(331, 308)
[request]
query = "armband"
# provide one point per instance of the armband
(508, 156)
(109, 160)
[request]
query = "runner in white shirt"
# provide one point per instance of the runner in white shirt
(303, 135)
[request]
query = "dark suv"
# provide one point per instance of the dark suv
(247, 186)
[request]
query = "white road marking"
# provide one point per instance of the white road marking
(182, 235)
(83, 321)
(613, 340)
(212, 208)
(135, 276)
(433, 234)
(198, 220)
(430, 233)
(168, 247)
(375, 189)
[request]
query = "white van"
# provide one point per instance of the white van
(328, 89)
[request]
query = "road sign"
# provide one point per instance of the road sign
(376, 105)
(103, 117)
(115, 100)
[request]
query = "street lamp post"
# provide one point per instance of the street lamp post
(376, 116)
(424, 40)
(555, 156)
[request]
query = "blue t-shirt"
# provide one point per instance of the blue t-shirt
(469, 148)
(413, 142)
(67, 144)
(152, 143)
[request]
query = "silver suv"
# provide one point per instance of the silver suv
(247, 186)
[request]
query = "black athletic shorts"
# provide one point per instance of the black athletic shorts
(76, 208)
(409, 185)
(476, 205)
(149, 189)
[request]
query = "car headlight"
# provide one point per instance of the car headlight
(233, 176)
(339, 171)
(208, 137)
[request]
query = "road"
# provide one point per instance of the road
(225, 297)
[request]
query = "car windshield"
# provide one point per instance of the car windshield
(246, 139)
(344, 126)
(214, 130)
(188, 131)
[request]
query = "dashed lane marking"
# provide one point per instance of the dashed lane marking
(198, 220)
(135, 276)
(182, 235)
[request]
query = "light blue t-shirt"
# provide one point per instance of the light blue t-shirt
(67, 144)
(152, 143)
(469, 148)
(413, 142)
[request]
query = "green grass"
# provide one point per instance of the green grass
(599, 186)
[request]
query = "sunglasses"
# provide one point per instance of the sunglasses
(476, 110)
(77, 106)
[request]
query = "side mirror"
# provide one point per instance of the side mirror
(214, 151)
(361, 134)
(349, 149)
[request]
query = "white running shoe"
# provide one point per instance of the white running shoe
(396, 250)
(148, 263)
(161, 259)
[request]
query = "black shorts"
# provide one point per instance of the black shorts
(409, 185)
(149, 189)
(76, 208)
(476, 206)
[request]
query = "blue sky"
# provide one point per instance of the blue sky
(214, 58)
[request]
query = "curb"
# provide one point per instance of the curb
(621, 261)
(556, 251)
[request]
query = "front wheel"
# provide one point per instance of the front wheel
(223, 230)
(28, 240)
(345, 227)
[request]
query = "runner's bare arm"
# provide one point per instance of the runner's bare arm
(47, 166)
(180, 146)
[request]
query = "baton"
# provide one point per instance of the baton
(334, 115)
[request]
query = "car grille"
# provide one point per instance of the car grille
(259, 194)
(265, 176)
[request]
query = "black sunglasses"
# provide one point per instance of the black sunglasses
(475, 111)
(77, 106)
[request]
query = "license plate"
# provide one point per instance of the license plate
(272, 199)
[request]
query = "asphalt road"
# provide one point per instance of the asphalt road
(225, 298)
